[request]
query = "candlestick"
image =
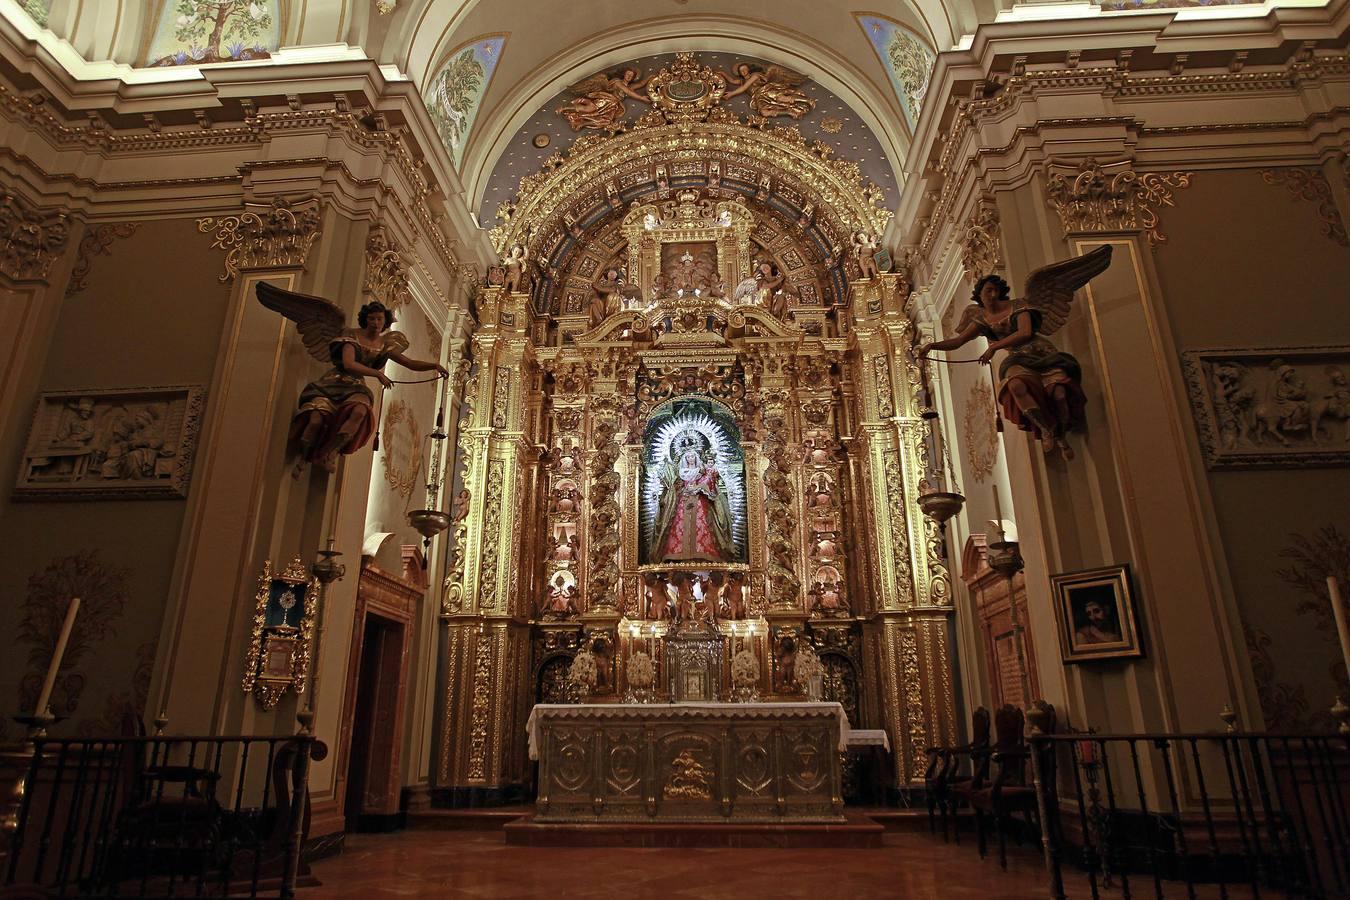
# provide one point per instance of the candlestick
(1338, 610)
(57, 654)
(998, 514)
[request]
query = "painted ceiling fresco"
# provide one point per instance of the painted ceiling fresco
(907, 59)
(201, 32)
(457, 90)
(547, 131)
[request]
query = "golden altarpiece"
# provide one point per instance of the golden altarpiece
(693, 413)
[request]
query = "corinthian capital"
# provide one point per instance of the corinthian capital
(265, 236)
(1094, 198)
(30, 239)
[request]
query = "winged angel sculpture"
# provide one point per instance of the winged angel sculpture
(774, 90)
(1039, 387)
(598, 102)
(336, 410)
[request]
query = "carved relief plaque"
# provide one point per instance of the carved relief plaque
(1271, 407)
(134, 443)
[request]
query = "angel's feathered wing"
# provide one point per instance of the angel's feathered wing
(598, 82)
(1050, 288)
(317, 320)
(780, 75)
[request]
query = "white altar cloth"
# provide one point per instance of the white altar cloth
(561, 712)
(869, 737)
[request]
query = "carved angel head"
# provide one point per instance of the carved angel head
(989, 289)
(375, 308)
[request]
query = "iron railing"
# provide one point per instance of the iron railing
(161, 816)
(1160, 814)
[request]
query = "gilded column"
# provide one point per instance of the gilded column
(908, 633)
(481, 736)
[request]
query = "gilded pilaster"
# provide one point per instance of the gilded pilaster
(482, 601)
(909, 631)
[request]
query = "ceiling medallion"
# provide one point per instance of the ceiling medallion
(683, 92)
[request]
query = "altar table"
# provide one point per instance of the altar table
(689, 762)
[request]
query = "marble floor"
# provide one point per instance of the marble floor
(479, 864)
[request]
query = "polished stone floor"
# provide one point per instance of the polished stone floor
(479, 864)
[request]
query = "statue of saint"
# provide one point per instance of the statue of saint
(694, 517)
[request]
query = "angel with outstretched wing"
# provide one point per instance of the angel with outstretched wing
(336, 410)
(774, 90)
(1039, 386)
(598, 101)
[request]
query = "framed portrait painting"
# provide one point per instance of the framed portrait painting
(1095, 614)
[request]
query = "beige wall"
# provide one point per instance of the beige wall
(1274, 281)
(146, 318)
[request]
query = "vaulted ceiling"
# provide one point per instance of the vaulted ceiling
(524, 55)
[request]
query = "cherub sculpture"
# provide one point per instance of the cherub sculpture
(514, 262)
(774, 90)
(599, 100)
(336, 410)
(1039, 387)
(864, 249)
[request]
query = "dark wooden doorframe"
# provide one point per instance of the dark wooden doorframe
(369, 780)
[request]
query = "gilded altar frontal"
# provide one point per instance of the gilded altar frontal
(671, 423)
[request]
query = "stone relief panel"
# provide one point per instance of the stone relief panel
(1271, 407)
(128, 443)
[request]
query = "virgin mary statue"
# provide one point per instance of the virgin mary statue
(693, 521)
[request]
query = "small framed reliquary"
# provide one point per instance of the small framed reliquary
(283, 625)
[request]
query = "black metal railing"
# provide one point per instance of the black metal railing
(1160, 814)
(162, 816)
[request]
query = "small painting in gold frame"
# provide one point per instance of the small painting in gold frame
(1095, 615)
(283, 625)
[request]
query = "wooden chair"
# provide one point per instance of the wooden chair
(944, 767)
(1011, 789)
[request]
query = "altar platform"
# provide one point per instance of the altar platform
(728, 764)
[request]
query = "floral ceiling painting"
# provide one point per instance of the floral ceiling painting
(37, 10)
(1148, 5)
(200, 32)
(907, 59)
(454, 95)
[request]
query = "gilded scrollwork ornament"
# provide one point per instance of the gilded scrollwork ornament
(982, 246)
(1113, 197)
(274, 235)
(30, 239)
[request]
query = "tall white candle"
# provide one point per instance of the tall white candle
(998, 514)
(1338, 610)
(58, 653)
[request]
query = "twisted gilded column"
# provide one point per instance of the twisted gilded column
(483, 722)
(909, 630)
